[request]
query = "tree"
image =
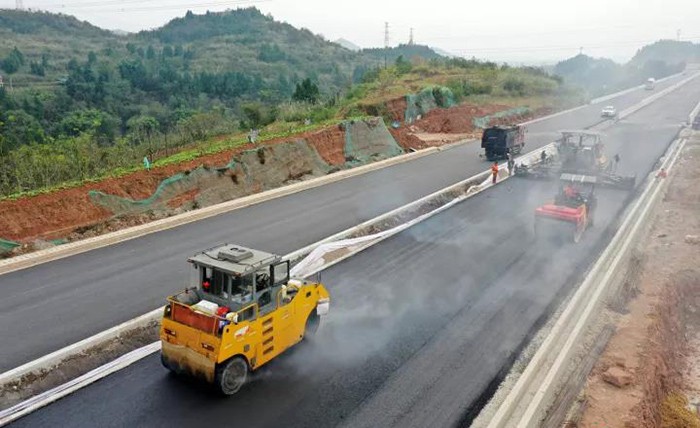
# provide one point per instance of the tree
(307, 92)
(142, 129)
(150, 52)
(19, 128)
(167, 51)
(92, 121)
(403, 66)
(92, 57)
(37, 69)
(254, 115)
(72, 65)
(13, 61)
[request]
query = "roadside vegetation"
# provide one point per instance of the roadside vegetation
(80, 103)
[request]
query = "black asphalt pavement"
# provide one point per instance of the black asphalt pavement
(420, 325)
(67, 300)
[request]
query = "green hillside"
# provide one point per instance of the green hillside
(669, 51)
(406, 51)
(601, 75)
(79, 102)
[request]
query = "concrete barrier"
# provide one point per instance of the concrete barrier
(49, 361)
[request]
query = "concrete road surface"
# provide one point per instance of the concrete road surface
(420, 326)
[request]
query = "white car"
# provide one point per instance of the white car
(609, 111)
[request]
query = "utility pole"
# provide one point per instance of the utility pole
(19, 4)
(410, 38)
(386, 41)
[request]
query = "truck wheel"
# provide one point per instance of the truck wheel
(312, 323)
(231, 375)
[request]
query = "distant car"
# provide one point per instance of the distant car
(650, 84)
(609, 111)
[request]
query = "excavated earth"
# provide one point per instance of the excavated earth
(649, 373)
(140, 197)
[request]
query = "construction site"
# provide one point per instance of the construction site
(487, 266)
(36, 222)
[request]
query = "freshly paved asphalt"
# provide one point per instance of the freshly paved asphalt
(420, 324)
(55, 304)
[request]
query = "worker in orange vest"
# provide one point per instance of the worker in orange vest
(494, 172)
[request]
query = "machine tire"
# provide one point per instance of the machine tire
(312, 323)
(231, 375)
(165, 364)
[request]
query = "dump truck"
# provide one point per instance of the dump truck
(578, 152)
(241, 311)
(499, 141)
(570, 213)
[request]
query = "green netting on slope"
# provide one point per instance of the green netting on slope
(369, 140)
(485, 121)
(251, 171)
(7, 246)
(426, 100)
(168, 188)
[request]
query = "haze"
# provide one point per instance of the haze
(535, 31)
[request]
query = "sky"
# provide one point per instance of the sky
(515, 31)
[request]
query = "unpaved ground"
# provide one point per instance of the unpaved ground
(72, 215)
(650, 369)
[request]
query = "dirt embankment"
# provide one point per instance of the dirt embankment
(144, 196)
(58, 214)
(649, 374)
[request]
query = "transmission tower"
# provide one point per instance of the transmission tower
(386, 41)
(386, 34)
(410, 38)
(19, 4)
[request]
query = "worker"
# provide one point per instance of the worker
(511, 164)
(494, 172)
(543, 156)
(570, 191)
(617, 161)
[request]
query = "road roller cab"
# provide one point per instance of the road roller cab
(571, 212)
(241, 311)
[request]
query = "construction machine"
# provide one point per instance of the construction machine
(578, 152)
(571, 212)
(499, 141)
(241, 311)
